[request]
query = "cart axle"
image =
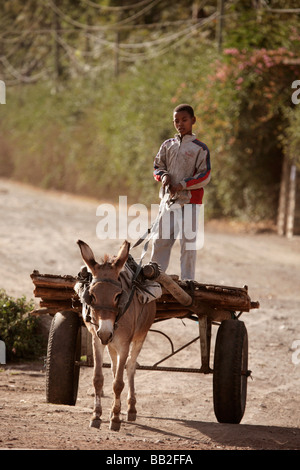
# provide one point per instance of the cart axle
(159, 368)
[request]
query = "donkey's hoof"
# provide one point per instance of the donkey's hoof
(114, 425)
(95, 423)
(131, 416)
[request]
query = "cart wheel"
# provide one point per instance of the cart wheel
(64, 348)
(230, 371)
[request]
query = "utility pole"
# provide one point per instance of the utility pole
(56, 46)
(220, 24)
(117, 65)
(117, 42)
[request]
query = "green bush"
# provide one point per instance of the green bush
(19, 329)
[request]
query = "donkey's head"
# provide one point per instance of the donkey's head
(105, 288)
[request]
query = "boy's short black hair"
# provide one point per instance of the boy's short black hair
(185, 107)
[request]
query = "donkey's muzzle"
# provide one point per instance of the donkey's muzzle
(105, 331)
(104, 338)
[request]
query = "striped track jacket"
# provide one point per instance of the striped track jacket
(187, 161)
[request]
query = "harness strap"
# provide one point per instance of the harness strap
(152, 230)
(110, 281)
(149, 234)
(120, 312)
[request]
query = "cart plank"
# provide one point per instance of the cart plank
(56, 293)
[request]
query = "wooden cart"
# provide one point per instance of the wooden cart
(206, 304)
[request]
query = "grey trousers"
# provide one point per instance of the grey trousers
(178, 222)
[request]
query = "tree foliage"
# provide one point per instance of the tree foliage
(63, 39)
(98, 80)
(250, 93)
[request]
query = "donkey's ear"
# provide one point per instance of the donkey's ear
(87, 255)
(122, 255)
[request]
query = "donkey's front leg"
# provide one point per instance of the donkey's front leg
(136, 347)
(98, 382)
(118, 385)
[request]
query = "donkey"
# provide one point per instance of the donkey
(124, 342)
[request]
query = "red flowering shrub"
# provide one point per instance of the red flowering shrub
(243, 113)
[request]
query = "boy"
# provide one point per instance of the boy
(183, 166)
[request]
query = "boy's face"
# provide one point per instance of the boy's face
(183, 122)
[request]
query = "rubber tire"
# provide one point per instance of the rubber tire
(229, 385)
(63, 355)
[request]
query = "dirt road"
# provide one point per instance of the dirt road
(175, 411)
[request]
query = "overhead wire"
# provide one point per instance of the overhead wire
(280, 10)
(115, 8)
(165, 48)
(127, 52)
(161, 25)
(167, 37)
(21, 76)
(78, 24)
(27, 58)
(146, 44)
(163, 43)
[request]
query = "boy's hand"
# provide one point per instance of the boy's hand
(166, 180)
(175, 188)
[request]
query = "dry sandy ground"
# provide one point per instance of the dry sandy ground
(175, 410)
